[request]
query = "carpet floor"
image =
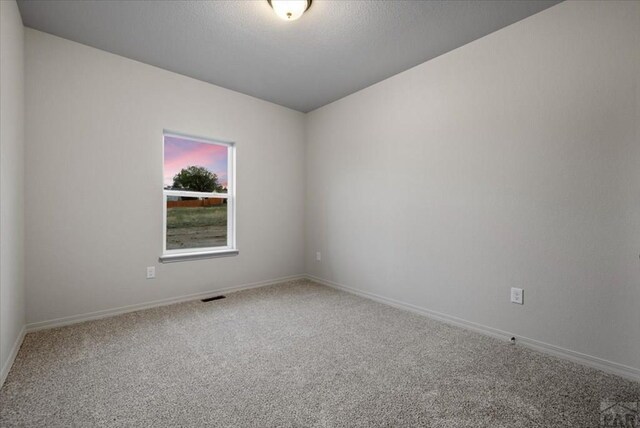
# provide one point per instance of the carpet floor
(295, 354)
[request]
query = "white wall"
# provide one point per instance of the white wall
(94, 180)
(511, 161)
(12, 301)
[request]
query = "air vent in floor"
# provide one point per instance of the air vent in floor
(210, 299)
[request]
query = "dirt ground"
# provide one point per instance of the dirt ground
(189, 227)
(196, 237)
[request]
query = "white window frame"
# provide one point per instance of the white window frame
(206, 252)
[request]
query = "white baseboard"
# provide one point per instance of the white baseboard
(12, 356)
(74, 319)
(622, 370)
(628, 372)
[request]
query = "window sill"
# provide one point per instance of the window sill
(185, 257)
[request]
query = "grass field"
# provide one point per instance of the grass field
(196, 227)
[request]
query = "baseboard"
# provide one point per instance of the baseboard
(12, 356)
(74, 319)
(628, 372)
(611, 367)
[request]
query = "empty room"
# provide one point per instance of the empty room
(317, 213)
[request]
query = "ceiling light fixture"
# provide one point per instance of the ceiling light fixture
(289, 10)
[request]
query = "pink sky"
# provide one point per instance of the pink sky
(181, 153)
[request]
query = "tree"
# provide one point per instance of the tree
(196, 179)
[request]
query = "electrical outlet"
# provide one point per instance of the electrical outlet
(151, 272)
(318, 256)
(517, 295)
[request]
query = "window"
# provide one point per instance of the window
(198, 198)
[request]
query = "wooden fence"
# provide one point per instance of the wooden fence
(208, 202)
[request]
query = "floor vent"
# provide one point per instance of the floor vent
(210, 299)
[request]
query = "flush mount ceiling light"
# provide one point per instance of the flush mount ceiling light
(289, 10)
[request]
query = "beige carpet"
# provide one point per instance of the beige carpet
(296, 354)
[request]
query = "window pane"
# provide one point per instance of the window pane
(196, 222)
(194, 165)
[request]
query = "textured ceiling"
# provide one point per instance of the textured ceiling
(335, 49)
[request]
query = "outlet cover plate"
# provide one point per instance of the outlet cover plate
(517, 295)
